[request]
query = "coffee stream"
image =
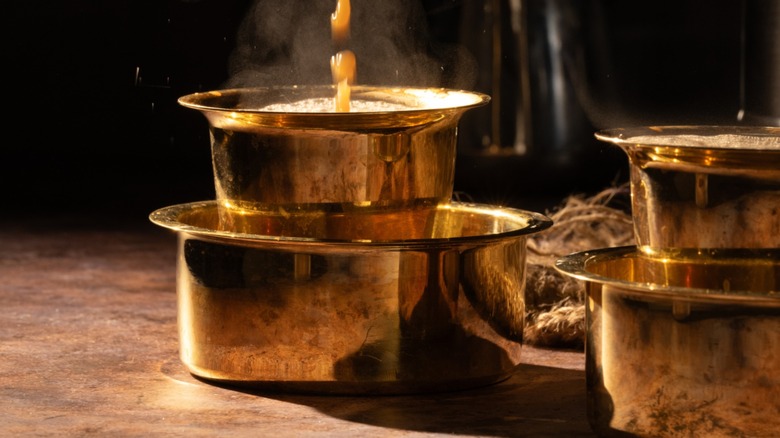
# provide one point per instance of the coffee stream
(342, 64)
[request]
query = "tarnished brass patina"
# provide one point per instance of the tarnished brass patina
(396, 301)
(287, 147)
(702, 189)
(681, 347)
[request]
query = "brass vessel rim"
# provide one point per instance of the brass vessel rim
(751, 151)
(412, 99)
(579, 266)
(523, 223)
(763, 139)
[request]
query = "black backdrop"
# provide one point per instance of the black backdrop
(96, 124)
(92, 123)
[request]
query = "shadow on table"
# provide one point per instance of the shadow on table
(534, 401)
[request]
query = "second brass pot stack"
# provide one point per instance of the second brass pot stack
(683, 329)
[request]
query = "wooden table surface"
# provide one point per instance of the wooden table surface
(88, 347)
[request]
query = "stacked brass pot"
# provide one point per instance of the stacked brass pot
(683, 329)
(333, 259)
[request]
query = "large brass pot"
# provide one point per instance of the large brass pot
(681, 347)
(357, 302)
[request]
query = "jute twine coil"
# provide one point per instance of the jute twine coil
(555, 303)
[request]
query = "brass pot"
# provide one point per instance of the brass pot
(355, 302)
(702, 189)
(681, 347)
(284, 147)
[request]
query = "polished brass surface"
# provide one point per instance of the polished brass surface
(271, 150)
(701, 189)
(681, 347)
(394, 302)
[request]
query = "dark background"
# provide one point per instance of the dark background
(93, 125)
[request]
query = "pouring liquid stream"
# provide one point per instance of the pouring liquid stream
(342, 64)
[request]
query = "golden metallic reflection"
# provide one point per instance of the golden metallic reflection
(273, 147)
(392, 302)
(702, 189)
(681, 344)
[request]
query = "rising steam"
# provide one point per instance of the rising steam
(288, 42)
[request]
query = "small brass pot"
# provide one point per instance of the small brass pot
(702, 189)
(681, 347)
(404, 301)
(286, 147)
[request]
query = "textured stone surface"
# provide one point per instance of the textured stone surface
(89, 347)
